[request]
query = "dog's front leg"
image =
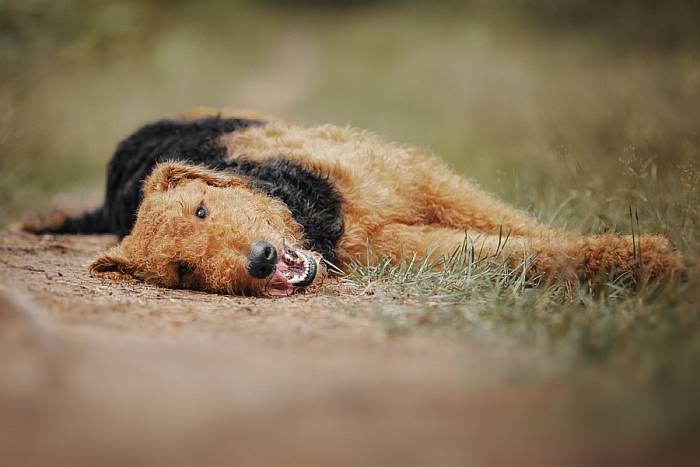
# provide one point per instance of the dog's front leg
(554, 257)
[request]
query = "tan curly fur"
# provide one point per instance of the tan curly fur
(401, 201)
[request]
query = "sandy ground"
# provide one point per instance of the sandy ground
(106, 373)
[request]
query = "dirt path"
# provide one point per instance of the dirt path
(106, 373)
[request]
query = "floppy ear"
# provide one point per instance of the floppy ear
(113, 264)
(168, 174)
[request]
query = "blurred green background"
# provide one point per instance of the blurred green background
(566, 108)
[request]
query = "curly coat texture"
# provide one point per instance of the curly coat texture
(332, 190)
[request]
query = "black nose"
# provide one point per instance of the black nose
(261, 259)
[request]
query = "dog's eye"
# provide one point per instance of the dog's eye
(201, 212)
(183, 269)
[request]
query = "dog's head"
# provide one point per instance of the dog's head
(213, 231)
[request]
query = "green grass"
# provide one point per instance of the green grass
(575, 124)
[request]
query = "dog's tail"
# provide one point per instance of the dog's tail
(59, 222)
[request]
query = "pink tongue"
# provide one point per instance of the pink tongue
(279, 286)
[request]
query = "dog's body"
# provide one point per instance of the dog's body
(218, 197)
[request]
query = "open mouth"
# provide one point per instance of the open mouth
(295, 268)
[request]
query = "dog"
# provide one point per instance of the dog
(235, 203)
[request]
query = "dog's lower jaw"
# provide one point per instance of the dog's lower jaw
(279, 286)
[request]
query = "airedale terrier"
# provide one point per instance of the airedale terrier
(231, 203)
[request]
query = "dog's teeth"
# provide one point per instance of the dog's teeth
(296, 278)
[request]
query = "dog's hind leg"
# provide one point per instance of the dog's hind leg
(453, 201)
(554, 258)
